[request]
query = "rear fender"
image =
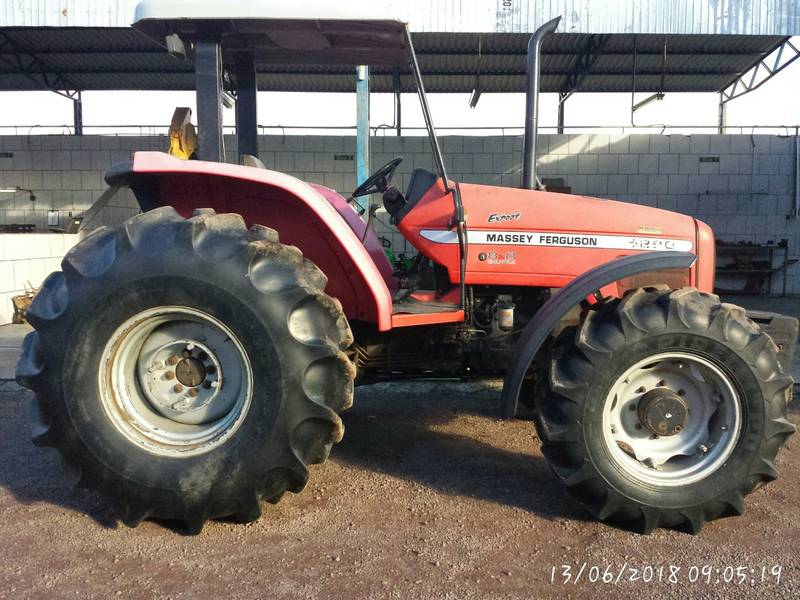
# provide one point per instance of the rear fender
(539, 327)
(296, 210)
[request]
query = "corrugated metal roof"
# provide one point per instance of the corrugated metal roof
(122, 58)
(740, 17)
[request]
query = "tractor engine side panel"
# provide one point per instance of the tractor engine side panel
(544, 239)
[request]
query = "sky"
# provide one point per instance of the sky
(773, 104)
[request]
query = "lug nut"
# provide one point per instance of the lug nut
(202, 355)
(641, 390)
(681, 392)
(173, 360)
(661, 383)
(214, 384)
(211, 369)
(169, 375)
(193, 392)
(703, 448)
(178, 388)
(190, 346)
(206, 384)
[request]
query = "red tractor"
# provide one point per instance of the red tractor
(192, 361)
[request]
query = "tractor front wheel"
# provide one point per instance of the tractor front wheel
(187, 368)
(666, 408)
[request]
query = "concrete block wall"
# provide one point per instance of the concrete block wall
(25, 260)
(741, 185)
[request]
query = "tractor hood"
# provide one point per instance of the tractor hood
(528, 237)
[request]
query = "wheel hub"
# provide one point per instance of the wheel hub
(663, 412)
(175, 380)
(671, 418)
(190, 371)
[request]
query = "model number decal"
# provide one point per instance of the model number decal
(502, 218)
(552, 238)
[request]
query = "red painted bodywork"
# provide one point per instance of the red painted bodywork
(297, 210)
(547, 266)
(328, 231)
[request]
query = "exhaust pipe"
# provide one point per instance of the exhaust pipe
(529, 178)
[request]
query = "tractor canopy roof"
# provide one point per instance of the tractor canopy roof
(276, 31)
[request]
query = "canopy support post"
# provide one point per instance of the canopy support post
(208, 83)
(246, 105)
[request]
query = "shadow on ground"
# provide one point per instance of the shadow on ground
(35, 475)
(452, 441)
(447, 438)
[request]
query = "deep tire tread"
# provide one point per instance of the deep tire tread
(214, 238)
(612, 325)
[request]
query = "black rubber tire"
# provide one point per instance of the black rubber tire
(265, 292)
(614, 335)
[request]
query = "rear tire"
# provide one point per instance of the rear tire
(256, 400)
(731, 392)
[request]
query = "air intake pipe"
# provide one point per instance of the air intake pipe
(529, 178)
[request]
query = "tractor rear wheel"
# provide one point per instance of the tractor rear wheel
(187, 368)
(666, 408)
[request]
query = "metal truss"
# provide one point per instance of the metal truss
(32, 67)
(764, 70)
(583, 66)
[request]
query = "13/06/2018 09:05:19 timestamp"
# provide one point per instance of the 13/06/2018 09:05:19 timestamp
(572, 574)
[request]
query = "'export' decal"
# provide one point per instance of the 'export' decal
(552, 238)
(503, 217)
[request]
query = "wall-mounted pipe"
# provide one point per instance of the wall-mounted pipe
(529, 178)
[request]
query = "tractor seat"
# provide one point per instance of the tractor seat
(397, 205)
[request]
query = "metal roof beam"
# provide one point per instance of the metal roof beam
(376, 73)
(33, 68)
(764, 70)
(589, 54)
(620, 52)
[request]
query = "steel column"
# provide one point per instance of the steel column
(362, 127)
(208, 83)
(246, 104)
(77, 113)
(398, 107)
(561, 102)
(721, 114)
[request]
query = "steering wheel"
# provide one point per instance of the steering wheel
(379, 181)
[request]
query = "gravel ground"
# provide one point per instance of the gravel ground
(428, 496)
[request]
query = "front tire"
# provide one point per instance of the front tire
(666, 408)
(187, 368)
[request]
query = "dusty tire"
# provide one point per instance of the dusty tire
(585, 415)
(267, 299)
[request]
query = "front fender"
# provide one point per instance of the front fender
(300, 214)
(539, 327)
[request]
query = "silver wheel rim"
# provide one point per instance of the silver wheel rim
(175, 381)
(700, 447)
